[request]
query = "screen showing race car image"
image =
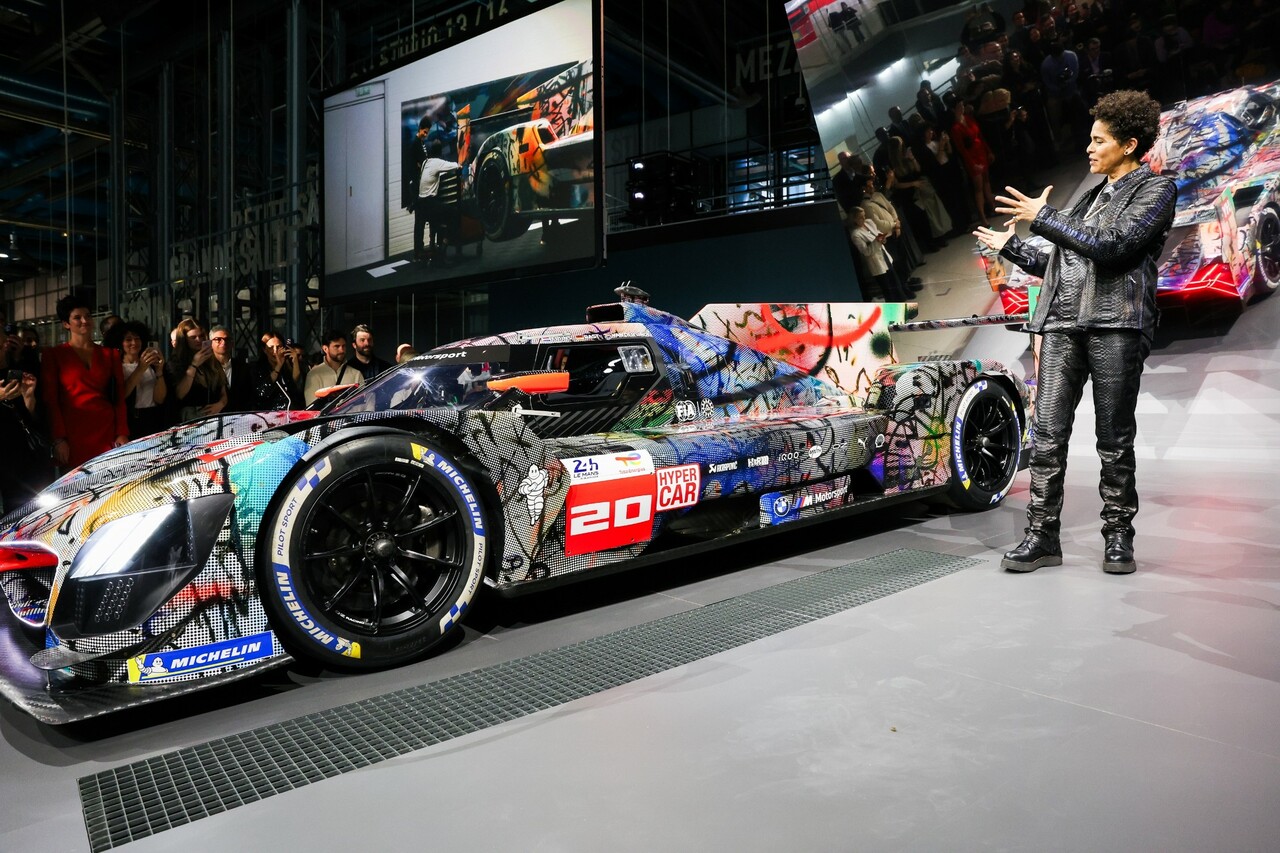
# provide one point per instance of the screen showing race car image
(477, 162)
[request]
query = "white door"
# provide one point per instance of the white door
(355, 183)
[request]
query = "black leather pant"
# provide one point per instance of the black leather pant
(1113, 360)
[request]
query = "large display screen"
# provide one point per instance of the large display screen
(476, 162)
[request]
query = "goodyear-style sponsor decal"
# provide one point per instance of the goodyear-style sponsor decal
(158, 666)
(781, 507)
(608, 466)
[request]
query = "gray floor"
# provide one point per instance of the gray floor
(1062, 710)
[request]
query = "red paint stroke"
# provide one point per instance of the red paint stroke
(784, 338)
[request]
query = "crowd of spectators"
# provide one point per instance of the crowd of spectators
(64, 405)
(1020, 100)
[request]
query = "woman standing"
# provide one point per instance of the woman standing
(975, 155)
(197, 380)
(1097, 314)
(145, 387)
(276, 377)
(83, 390)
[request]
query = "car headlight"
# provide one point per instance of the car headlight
(134, 564)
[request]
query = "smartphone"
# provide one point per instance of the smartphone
(13, 376)
(206, 344)
(153, 345)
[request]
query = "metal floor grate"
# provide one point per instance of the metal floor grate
(176, 788)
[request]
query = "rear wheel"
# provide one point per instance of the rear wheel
(986, 447)
(374, 553)
(494, 199)
(1267, 237)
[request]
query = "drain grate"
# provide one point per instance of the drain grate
(176, 788)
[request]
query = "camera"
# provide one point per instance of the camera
(10, 329)
(13, 375)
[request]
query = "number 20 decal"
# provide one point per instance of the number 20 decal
(602, 515)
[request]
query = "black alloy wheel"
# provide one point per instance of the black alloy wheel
(385, 548)
(986, 447)
(1268, 243)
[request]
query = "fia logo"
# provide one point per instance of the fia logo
(686, 410)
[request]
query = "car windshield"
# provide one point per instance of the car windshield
(456, 379)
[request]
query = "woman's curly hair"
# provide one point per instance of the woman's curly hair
(1130, 115)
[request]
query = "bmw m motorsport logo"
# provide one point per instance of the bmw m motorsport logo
(157, 666)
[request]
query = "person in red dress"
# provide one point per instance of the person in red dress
(976, 156)
(78, 380)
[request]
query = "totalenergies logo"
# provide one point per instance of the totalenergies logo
(634, 459)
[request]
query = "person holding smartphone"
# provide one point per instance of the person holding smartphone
(196, 379)
(275, 377)
(23, 474)
(145, 387)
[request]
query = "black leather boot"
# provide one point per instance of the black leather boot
(1036, 550)
(1118, 554)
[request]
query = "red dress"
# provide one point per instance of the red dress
(972, 147)
(75, 397)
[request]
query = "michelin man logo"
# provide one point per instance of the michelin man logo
(156, 669)
(532, 488)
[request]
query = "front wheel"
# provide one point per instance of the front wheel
(373, 554)
(986, 447)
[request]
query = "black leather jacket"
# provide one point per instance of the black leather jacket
(1113, 261)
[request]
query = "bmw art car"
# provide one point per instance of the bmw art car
(358, 536)
(536, 161)
(1223, 151)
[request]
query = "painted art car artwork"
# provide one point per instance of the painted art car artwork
(524, 147)
(358, 536)
(1223, 151)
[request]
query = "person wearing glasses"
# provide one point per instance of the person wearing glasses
(235, 370)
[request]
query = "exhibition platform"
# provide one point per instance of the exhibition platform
(869, 684)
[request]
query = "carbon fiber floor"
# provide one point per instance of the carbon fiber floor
(176, 788)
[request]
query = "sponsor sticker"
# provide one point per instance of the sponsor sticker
(608, 466)
(678, 486)
(722, 467)
(781, 507)
(616, 511)
(158, 666)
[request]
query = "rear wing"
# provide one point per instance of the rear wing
(845, 343)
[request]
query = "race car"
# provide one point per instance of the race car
(1223, 151)
(358, 536)
(534, 162)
